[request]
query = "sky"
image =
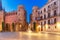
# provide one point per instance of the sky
(12, 5)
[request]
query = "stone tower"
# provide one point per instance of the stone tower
(21, 14)
(34, 13)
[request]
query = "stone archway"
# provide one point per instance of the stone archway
(7, 27)
(18, 27)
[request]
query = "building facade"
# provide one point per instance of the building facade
(34, 16)
(13, 21)
(21, 15)
(10, 18)
(50, 16)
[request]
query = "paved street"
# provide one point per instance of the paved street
(28, 36)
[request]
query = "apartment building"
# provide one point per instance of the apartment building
(50, 16)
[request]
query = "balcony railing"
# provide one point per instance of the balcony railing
(54, 7)
(53, 16)
(49, 10)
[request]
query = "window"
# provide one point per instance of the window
(44, 16)
(51, 21)
(44, 10)
(35, 18)
(48, 21)
(36, 11)
(41, 11)
(16, 13)
(55, 13)
(38, 18)
(49, 6)
(55, 20)
(44, 22)
(48, 15)
(41, 18)
(54, 3)
(41, 24)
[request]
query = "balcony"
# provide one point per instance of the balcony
(38, 18)
(51, 24)
(41, 19)
(55, 15)
(54, 7)
(49, 10)
(49, 17)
